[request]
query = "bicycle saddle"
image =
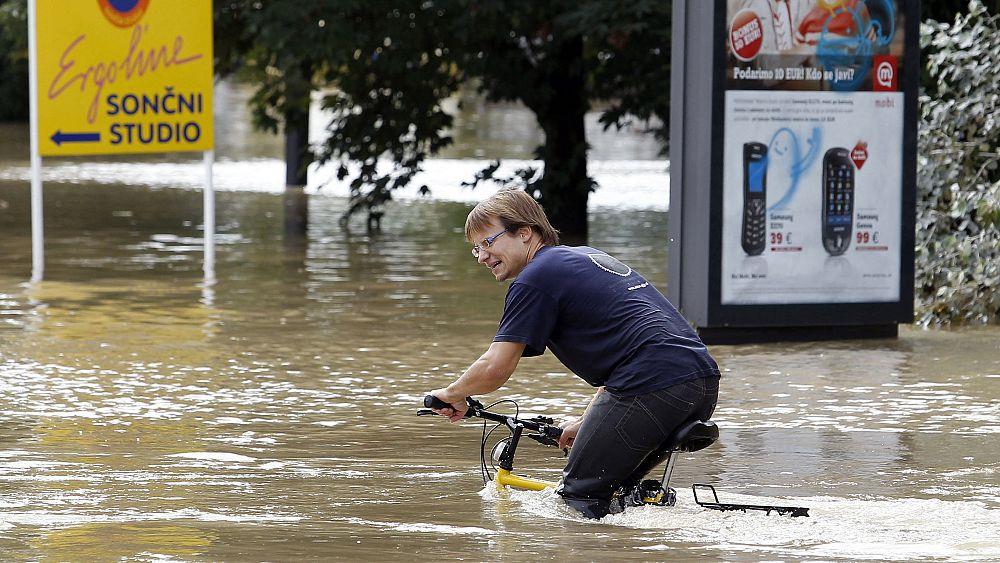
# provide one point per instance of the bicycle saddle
(693, 436)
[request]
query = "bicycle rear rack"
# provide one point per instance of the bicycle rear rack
(727, 506)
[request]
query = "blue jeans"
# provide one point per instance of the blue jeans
(620, 439)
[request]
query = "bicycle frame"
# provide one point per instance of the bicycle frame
(505, 478)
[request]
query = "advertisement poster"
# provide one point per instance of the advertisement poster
(813, 151)
(124, 76)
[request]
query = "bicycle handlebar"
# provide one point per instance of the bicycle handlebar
(541, 424)
(432, 402)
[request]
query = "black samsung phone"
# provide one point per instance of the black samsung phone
(838, 200)
(754, 198)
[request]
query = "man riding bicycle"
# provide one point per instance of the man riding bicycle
(609, 326)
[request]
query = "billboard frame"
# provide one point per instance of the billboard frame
(696, 221)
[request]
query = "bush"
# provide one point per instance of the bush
(13, 60)
(958, 172)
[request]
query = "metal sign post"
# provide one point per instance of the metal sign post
(37, 227)
(209, 222)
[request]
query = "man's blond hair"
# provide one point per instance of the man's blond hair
(514, 208)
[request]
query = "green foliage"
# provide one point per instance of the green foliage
(947, 10)
(958, 179)
(13, 60)
(629, 44)
(387, 98)
(279, 47)
(385, 72)
(557, 58)
(623, 57)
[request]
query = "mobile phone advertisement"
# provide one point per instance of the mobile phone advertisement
(813, 151)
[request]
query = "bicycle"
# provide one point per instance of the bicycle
(691, 436)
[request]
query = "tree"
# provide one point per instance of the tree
(556, 58)
(387, 98)
(388, 71)
(385, 70)
(274, 45)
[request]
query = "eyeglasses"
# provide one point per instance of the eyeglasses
(488, 242)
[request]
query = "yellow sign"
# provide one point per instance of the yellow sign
(124, 76)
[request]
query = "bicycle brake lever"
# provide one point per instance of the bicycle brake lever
(544, 440)
(552, 434)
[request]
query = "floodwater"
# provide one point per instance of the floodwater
(145, 415)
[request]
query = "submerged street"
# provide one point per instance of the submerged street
(271, 415)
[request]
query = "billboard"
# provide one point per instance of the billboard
(813, 151)
(793, 165)
(124, 76)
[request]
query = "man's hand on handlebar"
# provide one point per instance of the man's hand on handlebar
(569, 433)
(458, 405)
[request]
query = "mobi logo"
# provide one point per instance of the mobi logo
(123, 13)
(884, 74)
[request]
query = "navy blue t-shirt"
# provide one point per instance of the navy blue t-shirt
(603, 320)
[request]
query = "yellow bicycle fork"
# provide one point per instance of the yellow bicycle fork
(505, 478)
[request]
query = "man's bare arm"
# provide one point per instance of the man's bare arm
(485, 375)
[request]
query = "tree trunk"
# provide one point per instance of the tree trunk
(296, 211)
(297, 158)
(565, 186)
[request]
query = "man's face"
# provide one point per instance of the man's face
(506, 256)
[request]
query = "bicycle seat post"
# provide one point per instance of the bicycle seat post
(668, 470)
(690, 437)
